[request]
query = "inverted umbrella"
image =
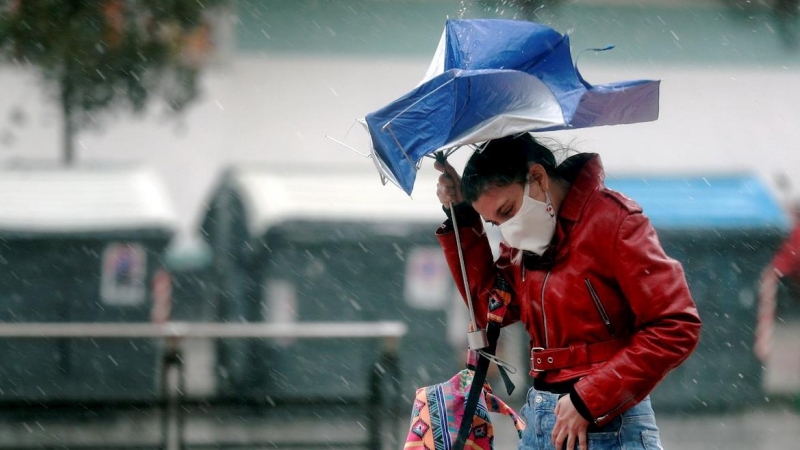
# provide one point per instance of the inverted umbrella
(492, 78)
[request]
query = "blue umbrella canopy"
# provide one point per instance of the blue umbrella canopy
(491, 78)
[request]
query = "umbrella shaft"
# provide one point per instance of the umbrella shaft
(472, 324)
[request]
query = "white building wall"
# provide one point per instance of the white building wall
(279, 108)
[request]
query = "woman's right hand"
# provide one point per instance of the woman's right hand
(448, 189)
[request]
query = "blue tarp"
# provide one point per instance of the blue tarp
(694, 202)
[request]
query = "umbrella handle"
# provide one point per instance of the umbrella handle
(476, 338)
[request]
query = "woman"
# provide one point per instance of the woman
(785, 265)
(608, 313)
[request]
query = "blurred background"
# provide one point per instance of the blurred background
(172, 161)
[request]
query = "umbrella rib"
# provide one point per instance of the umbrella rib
(400, 145)
(450, 150)
(447, 152)
(365, 155)
(386, 125)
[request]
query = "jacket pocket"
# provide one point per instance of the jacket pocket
(600, 308)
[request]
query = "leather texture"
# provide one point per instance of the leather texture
(609, 279)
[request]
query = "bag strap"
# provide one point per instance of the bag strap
(499, 299)
(492, 334)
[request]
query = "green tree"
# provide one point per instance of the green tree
(99, 55)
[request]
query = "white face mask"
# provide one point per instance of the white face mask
(533, 226)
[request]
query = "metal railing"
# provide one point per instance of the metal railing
(173, 378)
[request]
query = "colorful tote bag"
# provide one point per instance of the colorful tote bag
(437, 412)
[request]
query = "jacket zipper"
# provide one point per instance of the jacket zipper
(604, 416)
(544, 314)
(599, 305)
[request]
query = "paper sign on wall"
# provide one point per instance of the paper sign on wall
(428, 283)
(123, 273)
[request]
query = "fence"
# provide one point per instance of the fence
(384, 371)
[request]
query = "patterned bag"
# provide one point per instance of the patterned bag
(438, 410)
(436, 417)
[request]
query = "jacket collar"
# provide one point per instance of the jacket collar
(589, 176)
(585, 173)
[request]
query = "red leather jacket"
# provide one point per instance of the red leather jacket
(610, 282)
(787, 260)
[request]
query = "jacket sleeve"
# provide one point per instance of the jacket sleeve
(667, 325)
(483, 273)
(785, 260)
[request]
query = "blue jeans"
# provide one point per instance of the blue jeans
(634, 429)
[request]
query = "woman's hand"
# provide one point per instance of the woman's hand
(570, 427)
(448, 189)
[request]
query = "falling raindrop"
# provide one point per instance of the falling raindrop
(462, 9)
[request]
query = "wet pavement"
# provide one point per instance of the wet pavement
(759, 429)
(773, 423)
(766, 427)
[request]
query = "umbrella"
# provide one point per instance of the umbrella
(491, 78)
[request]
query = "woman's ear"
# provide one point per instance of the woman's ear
(538, 174)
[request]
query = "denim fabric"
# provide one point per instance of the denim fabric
(634, 429)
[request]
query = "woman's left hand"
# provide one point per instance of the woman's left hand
(569, 431)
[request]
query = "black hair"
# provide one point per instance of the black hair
(502, 162)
